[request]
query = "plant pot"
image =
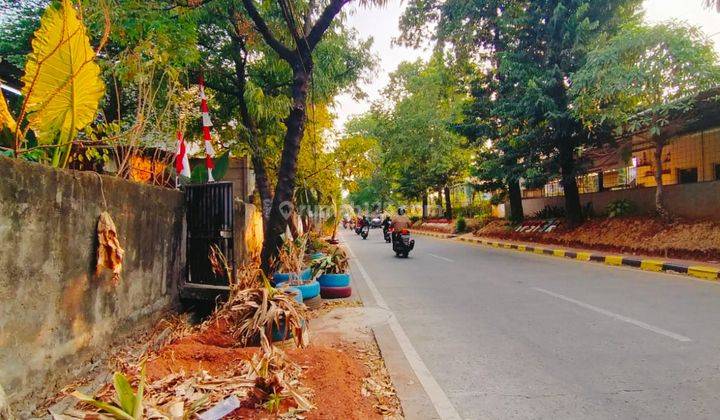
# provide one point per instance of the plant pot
(334, 280)
(308, 290)
(278, 332)
(297, 293)
(335, 292)
(280, 278)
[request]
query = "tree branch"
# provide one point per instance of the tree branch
(266, 33)
(323, 22)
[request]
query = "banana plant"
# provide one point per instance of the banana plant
(61, 85)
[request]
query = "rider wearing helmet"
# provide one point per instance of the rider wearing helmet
(400, 221)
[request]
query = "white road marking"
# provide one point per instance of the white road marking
(439, 399)
(619, 317)
(440, 257)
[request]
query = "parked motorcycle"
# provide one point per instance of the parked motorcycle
(402, 244)
(364, 231)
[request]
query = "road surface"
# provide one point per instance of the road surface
(507, 334)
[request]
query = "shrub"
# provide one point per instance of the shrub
(335, 263)
(550, 212)
(415, 218)
(460, 225)
(620, 208)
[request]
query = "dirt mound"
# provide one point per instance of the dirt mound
(334, 375)
(697, 240)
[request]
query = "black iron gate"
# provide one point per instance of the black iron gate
(209, 221)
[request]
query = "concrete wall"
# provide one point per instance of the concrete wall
(697, 201)
(55, 314)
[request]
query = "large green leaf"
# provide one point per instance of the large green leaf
(62, 82)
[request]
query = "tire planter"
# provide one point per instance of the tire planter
(313, 303)
(317, 256)
(297, 294)
(280, 278)
(309, 290)
(278, 332)
(335, 292)
(334, 280)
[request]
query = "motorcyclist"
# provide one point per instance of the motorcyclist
(386, 223)
(399, 222)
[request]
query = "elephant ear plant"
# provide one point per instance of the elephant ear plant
(335, 263)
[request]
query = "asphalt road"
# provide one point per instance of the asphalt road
(507, 334)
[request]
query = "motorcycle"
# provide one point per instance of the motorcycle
(402, 244)
(387, 234)
(364, 231)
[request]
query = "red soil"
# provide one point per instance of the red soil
(696, 240)
(335, 376)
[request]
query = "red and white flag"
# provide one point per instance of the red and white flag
(182, 165)
(206, 124)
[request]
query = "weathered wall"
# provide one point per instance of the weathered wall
(55, 314)
(698, 201)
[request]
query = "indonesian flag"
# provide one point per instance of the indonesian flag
(182, 166)
(206, 124)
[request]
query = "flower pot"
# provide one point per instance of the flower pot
(308, 290)
(335, 292)
(280, 278)
(334, 280)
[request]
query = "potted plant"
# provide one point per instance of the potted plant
(289, 263)
(331, 270)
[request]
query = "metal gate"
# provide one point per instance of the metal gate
(209, 221)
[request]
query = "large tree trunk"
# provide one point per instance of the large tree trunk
(573, 209)
(448, 204)
(282, 199)
(516, 207)
(659, 206)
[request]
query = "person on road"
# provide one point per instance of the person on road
(400, 222)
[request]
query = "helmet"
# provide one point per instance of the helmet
(401, 211)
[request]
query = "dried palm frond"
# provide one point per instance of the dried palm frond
(291, 255)
(252, 312)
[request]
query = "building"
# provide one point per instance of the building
(691, 172)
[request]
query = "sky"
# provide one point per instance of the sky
(382, 25)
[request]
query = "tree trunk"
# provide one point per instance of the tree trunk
(424, 206)
(659, 206)
(295, 123)
(573, 209)
(516, 207)
(448, 204)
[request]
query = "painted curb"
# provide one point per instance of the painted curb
(433, 234)
(698, 271)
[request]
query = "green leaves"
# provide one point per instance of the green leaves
(130, 403)
(644, 75)
(199, 173)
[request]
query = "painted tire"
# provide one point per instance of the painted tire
(334, 280)
(335, 292)
(279, 333)
(317, 256)
(297, 293)
(280, 278)
(309, 290)
(313, 303)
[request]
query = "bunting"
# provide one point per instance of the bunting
(206, 124)
(182, 165)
